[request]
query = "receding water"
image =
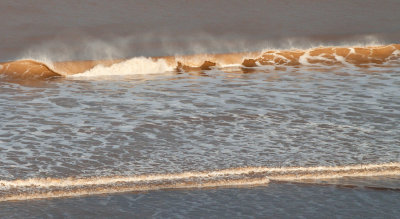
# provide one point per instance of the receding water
(182, 122)
(274, 201)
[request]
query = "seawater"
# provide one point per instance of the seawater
(202, 121)
(290, 134)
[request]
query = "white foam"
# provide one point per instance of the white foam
(340, 59)
(134, 66)
(303, 59)
(231, 65)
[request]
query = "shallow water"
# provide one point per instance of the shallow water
(181, 122)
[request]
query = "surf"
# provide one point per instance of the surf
(38, 188)
(325, 56)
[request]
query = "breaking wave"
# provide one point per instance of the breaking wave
(138, 65)
(355, 56)
(24, 189)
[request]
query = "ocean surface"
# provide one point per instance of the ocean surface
(187, 109)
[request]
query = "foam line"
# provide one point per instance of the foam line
(23, 189)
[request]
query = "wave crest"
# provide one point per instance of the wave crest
(316, 56)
